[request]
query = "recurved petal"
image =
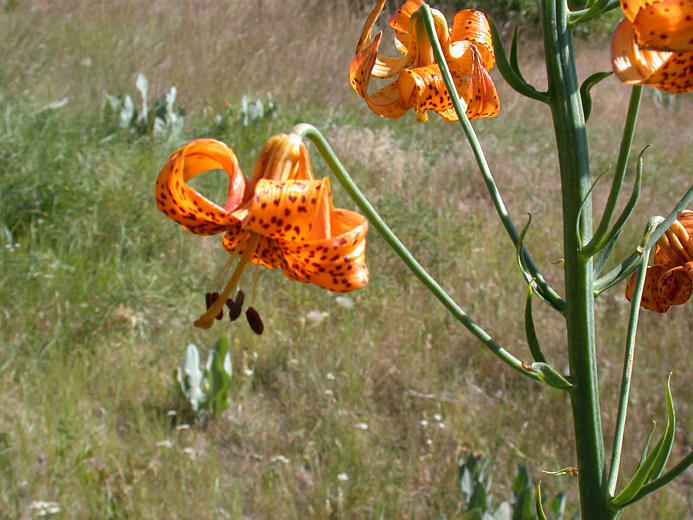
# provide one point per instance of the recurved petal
(386, 101)
(666, 25)
(267, 252)
(180, 202)
(294, 211)
(631, 7)
(481, 97)
(423, 89)
(400, 20)
(337, 262)
(686, 219)
(470, 25)
(675, 286)
(669, 71)
(365, 38)
(652, 298)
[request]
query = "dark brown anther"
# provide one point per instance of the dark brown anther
(236, 306)
(210, 298)
(254, 320)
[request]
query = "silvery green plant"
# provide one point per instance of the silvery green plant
(162, 119)
(475, 487)
(206, 389)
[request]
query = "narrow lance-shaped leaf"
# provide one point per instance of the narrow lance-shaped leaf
(585, 88)
(654, 462)
(540, 506)
(530, 331)
(668, 438)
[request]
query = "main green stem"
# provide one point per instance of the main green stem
(573, 158)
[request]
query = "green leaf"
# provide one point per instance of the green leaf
(647, 443)
(654, 462)
(668, 438)
(479, 498)
(551, 376)
(524, 509)
(530, 331)
(471, 515)
(513, 77)
(585, 88)
(522, 479)
(540, 507)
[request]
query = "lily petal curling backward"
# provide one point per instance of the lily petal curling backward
(669, 280)
(653, 45)
(418, 82)
(282, 217)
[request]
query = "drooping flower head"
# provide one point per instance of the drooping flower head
(653, 45)
(418, 82)
(282, 217)
(669, 280)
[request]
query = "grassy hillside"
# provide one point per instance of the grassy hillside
(361, 415)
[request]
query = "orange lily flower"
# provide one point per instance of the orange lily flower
(282, 217)
(468, 49)
(653, 45)
(669, 281)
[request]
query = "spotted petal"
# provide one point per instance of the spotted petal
(471, 26)
(652, 298)
(266, 253)
(335, 262)
(666, 25)
(423, 89)
(632, 7)
(669, 71)
(294, 210)
(180, 202)
(386, 101)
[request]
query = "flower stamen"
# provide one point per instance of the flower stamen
(254, 320)
(205, 321)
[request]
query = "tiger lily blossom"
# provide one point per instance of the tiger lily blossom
(653, 45)
(282, 217)
(669, 281)
(419, 85)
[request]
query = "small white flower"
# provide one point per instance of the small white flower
(248, 372)
(429, 442)
(190, 452)
(164, 444)
(437, 417)
(280, 458)
(316, 316)
(44, 508)
(345, 301)
(441, 425)
(423, 422)
(343, 477)
(361, 426)
(330, 376)
(329, 392)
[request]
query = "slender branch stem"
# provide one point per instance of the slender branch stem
(626, 378)
(379, 224)
(543, 288)
(601, 235)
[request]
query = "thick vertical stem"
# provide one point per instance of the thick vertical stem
(571, 140)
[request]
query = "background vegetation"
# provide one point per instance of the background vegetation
(361, 414)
